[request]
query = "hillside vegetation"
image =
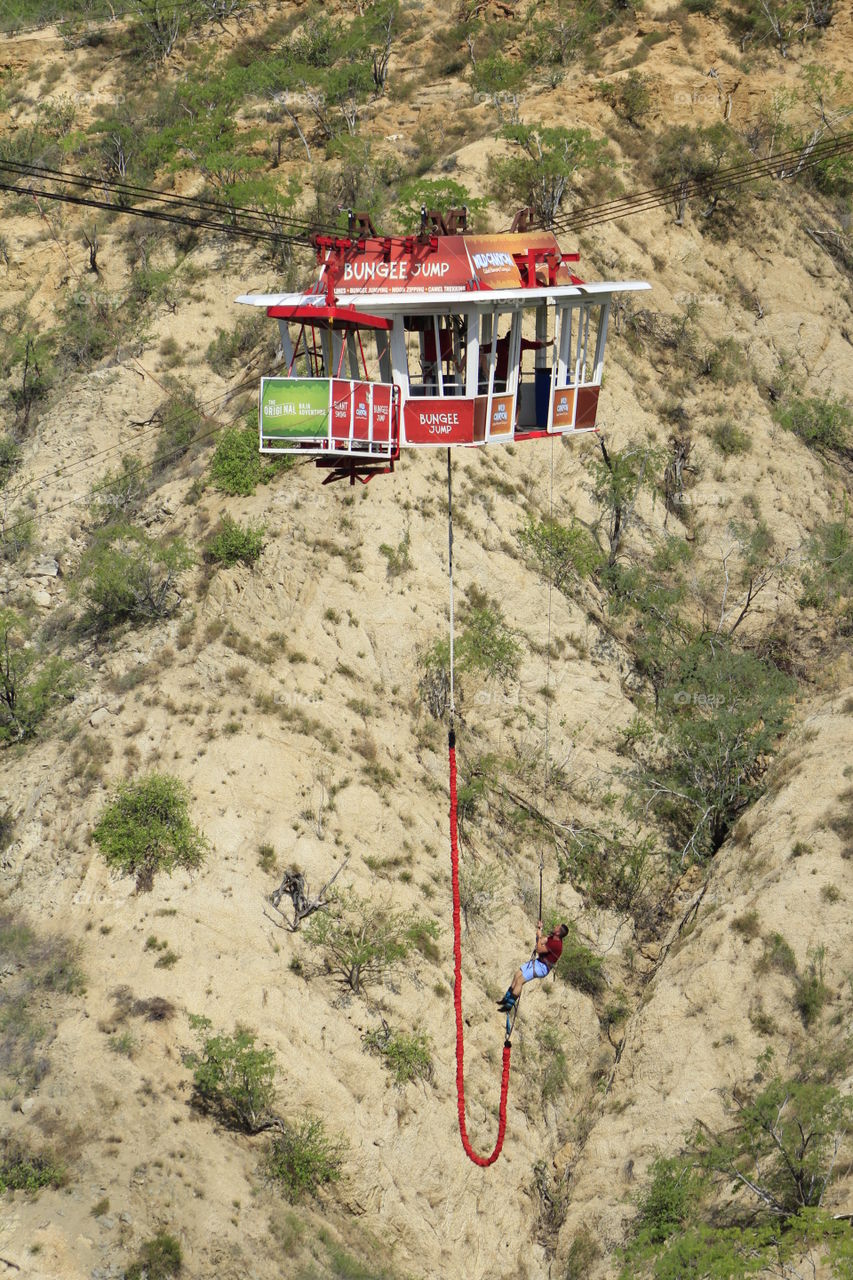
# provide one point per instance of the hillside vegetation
(226, 1006)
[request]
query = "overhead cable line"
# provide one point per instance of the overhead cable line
(159, 215)
(128, 190)
(787, 164)
(140, 467)
(69, 469)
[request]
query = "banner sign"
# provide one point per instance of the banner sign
(457, 263)
(295, 407)
(441, 421)
(564, 409)
(502, 418)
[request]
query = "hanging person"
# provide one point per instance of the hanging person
(546, 954)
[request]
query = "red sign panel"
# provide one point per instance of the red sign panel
(361, 410)
(341, 408)
(382, 412)
(439, 421)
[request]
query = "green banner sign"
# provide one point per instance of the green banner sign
(295, 407)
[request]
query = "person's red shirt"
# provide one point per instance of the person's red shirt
(553, 950)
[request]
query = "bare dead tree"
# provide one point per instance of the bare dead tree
(674, 476)
(382, 53)
(295, 886)
(93, 246)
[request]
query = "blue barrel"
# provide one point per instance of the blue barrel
(542, 384)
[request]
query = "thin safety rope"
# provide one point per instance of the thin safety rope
(548, 659)
(482, 1161)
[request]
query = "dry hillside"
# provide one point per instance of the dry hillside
(288, 689)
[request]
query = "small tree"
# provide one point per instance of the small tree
(363, 940)
(407, 1056)
(119, 494)
(821, 423)
(479, 893)
(303, 1158)
(548, 161)
(232, 1077)
(31, 685)
(725, 712)
(433, 193)
(784, 1145)
(125, 576)
(618, 479)
(146, 828)
(158, 1259)
(688, 156)
(233, 543)
(563, 556)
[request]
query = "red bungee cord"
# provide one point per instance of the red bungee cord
(482, 1161)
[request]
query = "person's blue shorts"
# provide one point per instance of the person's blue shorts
(534, 969)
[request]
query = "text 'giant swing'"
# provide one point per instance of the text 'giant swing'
(443, 339)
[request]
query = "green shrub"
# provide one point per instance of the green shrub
(21, 1170)
(554, 1064)
(235, 344)
(828, 569)
(362, 940)
(232, 1077)
(687, 155)
(724, 712)
(774, 1162)
(725, 363)
(668, 1200)
(487, 644)
(10, 459)
(583, 1252)
(233, 543)
(434, 193)
(479, 889)
(303, 1158)
(407, 1057)
(91, 327)
(777, 955)
(17, 532)
(731, 439)
(560, 555)
(125, 576)
(630, 98)
(747, 925)
(611, 866)
(31, 684)
(819, 423)
(811, 992)
(158, 1259)
(38, 968)
(544, 166)
(146, 828)
(237, 467)
(180, 419)
(119, 494)
(399, 560)
(579, 966)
